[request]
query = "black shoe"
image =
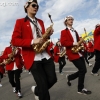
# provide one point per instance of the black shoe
(68, 81)
(84, 91)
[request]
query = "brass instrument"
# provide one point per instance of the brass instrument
(80, 47)
(38, 48)
(11, 58)
(62, 53)
(2, 64)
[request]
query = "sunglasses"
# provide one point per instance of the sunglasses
(35, 6)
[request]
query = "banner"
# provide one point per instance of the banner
(89, 35)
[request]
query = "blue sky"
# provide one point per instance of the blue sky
(86, 14)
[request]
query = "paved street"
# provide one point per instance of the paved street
(60, 91)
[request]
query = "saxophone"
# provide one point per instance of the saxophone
(62, 53)
(80, 47)
(38, 48)
(2, 63)
(11, 58)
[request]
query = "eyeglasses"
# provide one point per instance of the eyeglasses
(35, 6)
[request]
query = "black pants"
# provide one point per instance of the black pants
(62, 63)
(85, 57)
(97, 62)
(1, 76)
(45, 77)
(14, 79)
(80, 74)
(91, 55)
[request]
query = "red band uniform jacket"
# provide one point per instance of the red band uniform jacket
(90, 47)
(2, 69)
(56, 56)
(97, 39)
(66, 40)
(22, 37)
(51, 48)
(18, 58)
(85, 47)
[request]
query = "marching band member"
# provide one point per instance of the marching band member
(28, 31)
(69, 39)
(97, 50)
(57, 56)
(2, 70)
(51, 47)
(85, 53)
(90, 47)
(13, 67)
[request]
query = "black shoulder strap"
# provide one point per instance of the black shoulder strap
(27, 18)
(77, 37)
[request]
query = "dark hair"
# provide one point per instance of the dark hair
(97, 26)
(57, 43)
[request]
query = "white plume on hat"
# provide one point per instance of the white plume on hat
(30, 0)
(26, 5)
(69, 16)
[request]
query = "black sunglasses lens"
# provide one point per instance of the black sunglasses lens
(34, 5)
